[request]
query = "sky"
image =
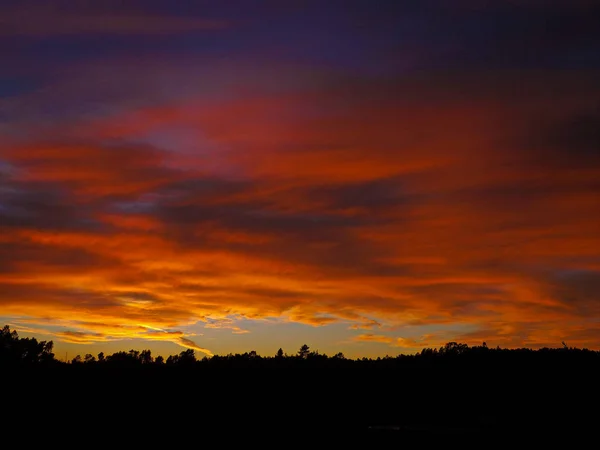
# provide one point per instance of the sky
(370, 177)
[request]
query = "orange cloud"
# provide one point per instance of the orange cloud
(404, 343)
(79, 337)
(374, 338)
(358, 205)
(117, 332)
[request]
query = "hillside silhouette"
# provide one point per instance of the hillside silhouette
(454, 393)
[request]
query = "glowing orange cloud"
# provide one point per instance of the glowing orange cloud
(361, 205)
(374, 338)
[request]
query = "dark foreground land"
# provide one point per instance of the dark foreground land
(489, 398)
(457, 404)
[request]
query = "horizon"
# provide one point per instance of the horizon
(303, 352)
(365, 178)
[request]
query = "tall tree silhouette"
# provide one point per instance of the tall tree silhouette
(186, 357)
(304, 352)
(146, 357)
(15, 350)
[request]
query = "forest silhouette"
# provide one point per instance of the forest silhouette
(449, 394)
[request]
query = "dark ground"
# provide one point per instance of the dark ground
(317, 407)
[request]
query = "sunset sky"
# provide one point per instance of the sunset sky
(371, 177)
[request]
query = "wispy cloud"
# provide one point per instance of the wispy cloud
(191, 344)
(109, 333)
(176, 337)
(225, 323)
(80, 337)
(365, 326)
(404, 343)
(374, 338)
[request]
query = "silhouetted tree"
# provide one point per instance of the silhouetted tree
(186, 357)
(101, 358)
(125, 359)
(453, 348)
(304, 352)
(428, 352)
(24, 351)
(146, 357)
(8, 335)
(279, 353)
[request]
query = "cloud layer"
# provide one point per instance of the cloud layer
(430, 206)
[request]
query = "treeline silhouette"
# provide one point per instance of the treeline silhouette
(16, 351)
(448, 394)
